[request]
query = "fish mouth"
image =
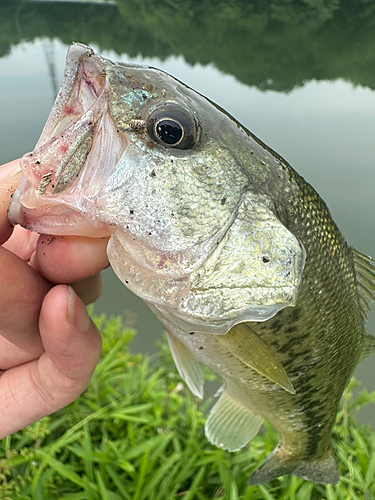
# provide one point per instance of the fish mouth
(61, 179)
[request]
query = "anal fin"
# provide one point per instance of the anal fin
(231, 424)
(322, 470)
(187, 365)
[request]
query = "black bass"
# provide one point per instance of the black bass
(231, 248)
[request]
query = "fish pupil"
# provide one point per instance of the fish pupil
(169, 131)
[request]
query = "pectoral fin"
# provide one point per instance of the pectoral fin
(187, 365)
(231, 424)
(248, 347)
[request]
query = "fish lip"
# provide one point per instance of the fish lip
(51, 218)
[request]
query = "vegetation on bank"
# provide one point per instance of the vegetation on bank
(137, 433)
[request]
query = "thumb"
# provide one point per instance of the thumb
(72, 346)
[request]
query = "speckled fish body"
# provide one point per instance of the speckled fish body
(231, 248)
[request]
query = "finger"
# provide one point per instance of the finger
(89, 289)
(21, 295)
(22, 243)
(9, 177)
(72, 349)
(10, 169)
(77, 257)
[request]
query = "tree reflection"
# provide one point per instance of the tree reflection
(272, 44)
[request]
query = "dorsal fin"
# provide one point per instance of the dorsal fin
(365, 272)
(187, 365)
(249, 348)
(368, 346)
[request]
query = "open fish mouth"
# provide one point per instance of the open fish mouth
(78, 136)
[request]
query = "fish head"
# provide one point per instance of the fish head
(130, 152)
(128, 140)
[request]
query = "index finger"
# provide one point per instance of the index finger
(9, 176)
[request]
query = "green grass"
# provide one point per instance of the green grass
(137, 433)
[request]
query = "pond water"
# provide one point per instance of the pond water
(301, 78)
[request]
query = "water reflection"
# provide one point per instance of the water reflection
(272, 44)
(300, 78)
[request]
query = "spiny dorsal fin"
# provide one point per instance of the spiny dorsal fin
(231, 424)
(248, 347)
(365, 272)
(187, 365)
(368, 346)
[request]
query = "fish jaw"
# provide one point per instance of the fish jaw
(82, 84)
(60, 181)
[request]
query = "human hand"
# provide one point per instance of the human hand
(49, 346)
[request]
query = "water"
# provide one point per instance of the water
(301, 79)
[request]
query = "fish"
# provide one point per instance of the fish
(229, 246)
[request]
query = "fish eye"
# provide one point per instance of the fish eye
(172, 126)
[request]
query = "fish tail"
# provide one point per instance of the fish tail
(321, 470)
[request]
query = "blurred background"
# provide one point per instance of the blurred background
(300, 75)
